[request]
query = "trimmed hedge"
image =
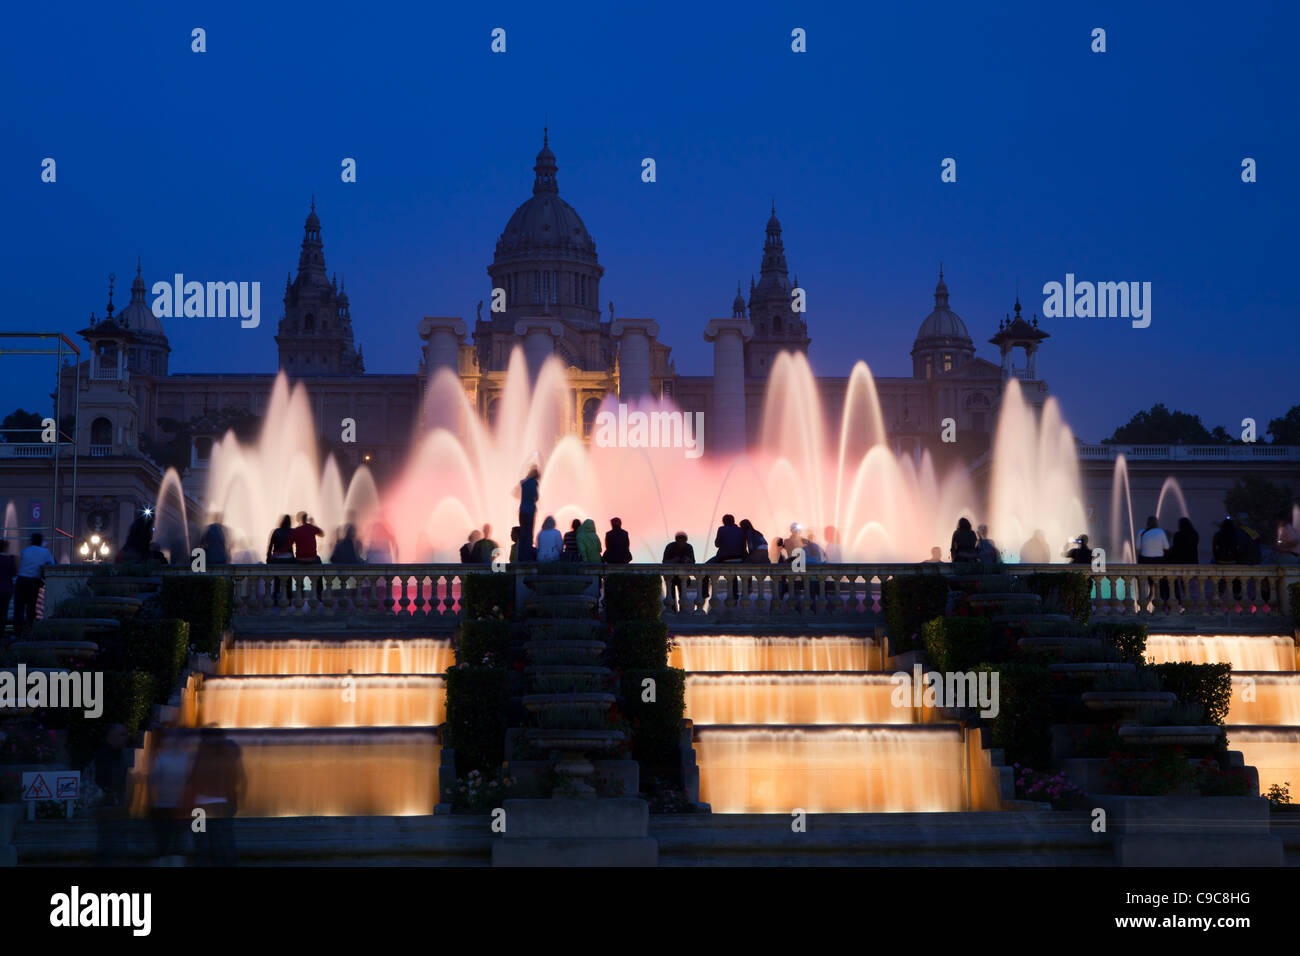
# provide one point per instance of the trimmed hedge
(1070, 591)
(1128, 638)
(956, 643)
(157, 647)
(633, 597)
(909, 601)
(1206, 685)
(484, 594)
(1023, 724)
(639, 645)
(204, 602)
(478, 638)
(656, 726)
(128, 699)
(476, 717)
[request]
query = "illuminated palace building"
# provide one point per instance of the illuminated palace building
(545, 261)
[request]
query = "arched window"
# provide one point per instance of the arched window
(309, 323)
(947, 361)
(929, 367)
(776, 325)
(101, 436)
(589, 410)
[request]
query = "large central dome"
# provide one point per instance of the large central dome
(545, 260)
(545, 224)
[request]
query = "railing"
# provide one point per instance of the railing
(1251, 452)
(424, 593)
(26, 449)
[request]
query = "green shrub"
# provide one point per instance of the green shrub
(128, 699)
(485, 594)
(1023, 725)
(639, 644)
(476, 717)
(157, 647)
(204, 602)
(656, 725)
(909, 601)
(1208, 686)
(633, 597)
(1064, 592)
(482, 642)
(956, 643)
(1128, 639)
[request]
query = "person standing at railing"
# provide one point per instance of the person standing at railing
(986, 550)
(528, 492)
(677, 551)
(965, 543)
(1185, 550)
(1080, 553)
(345, 549)
(467, 549)
(32, 562)
(213, 542)
(1250, 551)
(1035, 550)
(1153, 548)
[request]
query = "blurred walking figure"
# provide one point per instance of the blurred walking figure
(217, 785)
(1035, 550)
(8, 571)
(484, 548)
(345, 549)
(213, 542)
(167, 782)
(832, 548)
(986, 550)
(618, 549)
(467, 549)
(549, 541)
(111, 778)
(1080, 553)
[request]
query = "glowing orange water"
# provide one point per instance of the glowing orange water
(414, 656)
(794, 699)
(732, 653)
(366, 701)
(1245, 652)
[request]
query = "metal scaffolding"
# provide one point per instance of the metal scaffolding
(60, 346)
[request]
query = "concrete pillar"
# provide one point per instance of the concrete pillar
(634, 337)
(539, 341)
(728, 425)
(443, 336)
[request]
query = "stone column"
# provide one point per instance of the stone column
(634, 337)
(443, 336)
(728, 425)
(539, 341)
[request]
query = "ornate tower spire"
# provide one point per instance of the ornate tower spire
(738, 305)
(111, 278)
(941, 291)
(311, 260)
(545, 168)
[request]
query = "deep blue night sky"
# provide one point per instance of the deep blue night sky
(1115, 166)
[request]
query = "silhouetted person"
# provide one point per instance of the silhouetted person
(1080, 553)
(677, 551)
(304, 540)
(33, 561)
(514, 544)
(528, 495)
(345, 549)
(484, 548)
(936, 556)
(549, 541)
(589, 542)
(279, 550)
(986, 550)
(167, 781)
(1184, 550)
(213, 542)
(756, 550)
(8, 571)
(1226, 547)
(730, 541)
(1249, 550)
(618, 549)
(1035, 550)
(139, 541)
(217, 786)
(964, 542)
(1153, 548)
(467, 549)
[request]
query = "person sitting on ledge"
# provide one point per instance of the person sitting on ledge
(986, 550)
(304, 540)
(677, 551)
(589, 542)
(936, 556)
(549, 541)
(618, 549)
(345, 549)
(730, 541)
(756, 550)
(571, 552)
